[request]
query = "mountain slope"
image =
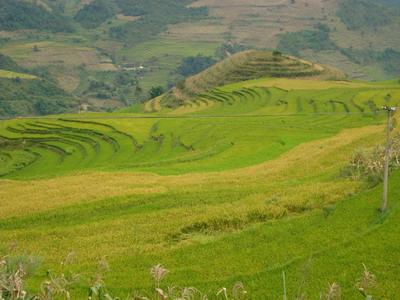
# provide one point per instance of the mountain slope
(243, 66)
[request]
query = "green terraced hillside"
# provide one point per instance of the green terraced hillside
(239, 183)
(177, 142)
(244, 66)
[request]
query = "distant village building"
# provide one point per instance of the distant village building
(84, 107)
(132, 67)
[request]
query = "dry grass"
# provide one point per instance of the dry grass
(302, 84)
(13, 75)
(42, 195)
(126, 18)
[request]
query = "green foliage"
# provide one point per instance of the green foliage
(122, 85)
(17, 14)
(6, 63)
(51, 106)
(195, 64)
(25, 97)
(277, 53)
(125, 79)
(95, 13)
(358, 14)
(156, 91)
(388, 59)
(317, 40)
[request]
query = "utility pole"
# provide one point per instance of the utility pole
(284, 285)
(389, 111)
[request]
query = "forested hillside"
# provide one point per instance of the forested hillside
(18, 14)
(24, 93)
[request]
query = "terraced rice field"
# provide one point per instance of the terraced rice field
(44, 147)
(245, 66)
(239, 183)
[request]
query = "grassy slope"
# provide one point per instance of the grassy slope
(261, 167)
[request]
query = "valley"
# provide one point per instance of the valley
(199, 149)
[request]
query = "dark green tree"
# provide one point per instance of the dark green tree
(156, 91)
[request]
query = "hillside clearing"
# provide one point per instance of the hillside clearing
(14, 75)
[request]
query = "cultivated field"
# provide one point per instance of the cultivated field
(238, 183)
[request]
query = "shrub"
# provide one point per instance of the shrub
(195, 64)
(156, 91)
(369, 164)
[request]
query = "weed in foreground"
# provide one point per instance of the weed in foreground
(14, 271)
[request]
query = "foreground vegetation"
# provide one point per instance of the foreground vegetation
(14, 271)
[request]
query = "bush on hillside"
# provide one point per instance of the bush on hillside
(195, 64)
(156, 91)
(369, 164)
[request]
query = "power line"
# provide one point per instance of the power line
(192, 116)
